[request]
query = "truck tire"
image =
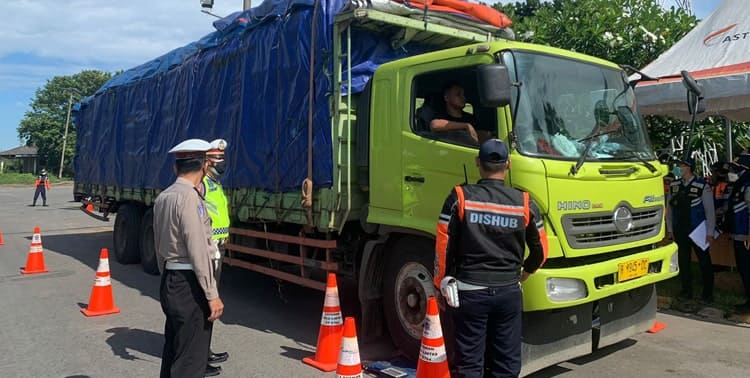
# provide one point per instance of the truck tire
(407, 286)
(148, 248)
(126, 234)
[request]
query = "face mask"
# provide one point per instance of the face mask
(219, 167)
(676, 172)
(733, 177)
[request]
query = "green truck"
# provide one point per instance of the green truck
(577, 143)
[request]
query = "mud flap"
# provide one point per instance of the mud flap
(626, 314)
(554, 336)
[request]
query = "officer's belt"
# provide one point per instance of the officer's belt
(489, 279)
(178, 266)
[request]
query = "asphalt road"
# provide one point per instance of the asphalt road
(43, 333)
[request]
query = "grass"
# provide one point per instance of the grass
(26, 178)
(724, 300)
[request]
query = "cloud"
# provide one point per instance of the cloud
(106, 34)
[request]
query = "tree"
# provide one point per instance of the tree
(44, 125)
(632, 32)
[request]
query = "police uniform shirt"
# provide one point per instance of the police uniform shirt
(706, 196)
(182, 233)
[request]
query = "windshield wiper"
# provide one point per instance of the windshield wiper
(645, 162)
(589, 143)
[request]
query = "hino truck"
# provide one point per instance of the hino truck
(333, 166)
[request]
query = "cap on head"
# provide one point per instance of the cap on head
(690, 162)
(191, 149)
(493, 151)
(43, 172)
(740, 163)
(217, 147)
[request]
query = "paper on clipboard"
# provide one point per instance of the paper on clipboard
(698, 236)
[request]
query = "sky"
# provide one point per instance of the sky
(40, 39)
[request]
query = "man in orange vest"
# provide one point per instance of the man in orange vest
(482, 233)
(42, 186)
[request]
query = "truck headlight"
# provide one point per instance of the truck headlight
(673, 263)
(565, 289)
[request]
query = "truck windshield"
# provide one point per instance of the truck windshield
(567, 108)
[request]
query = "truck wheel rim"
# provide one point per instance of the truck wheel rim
(413, 287)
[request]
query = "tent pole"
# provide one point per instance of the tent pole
(728, 131)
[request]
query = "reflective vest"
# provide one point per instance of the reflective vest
(687, 204)
(218, 208)
(737, 214)
(721, 194)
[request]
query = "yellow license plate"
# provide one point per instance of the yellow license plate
(632, 269)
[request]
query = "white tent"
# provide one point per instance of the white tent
(717, 54)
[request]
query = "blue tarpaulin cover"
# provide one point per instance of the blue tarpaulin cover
(247, 82)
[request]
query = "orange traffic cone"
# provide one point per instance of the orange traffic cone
(101, 302)
(35, 258)
(433, 361)
(90, 208)
(331, 327)
(657, 327)
(349, 365)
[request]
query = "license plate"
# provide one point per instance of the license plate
(632, 269)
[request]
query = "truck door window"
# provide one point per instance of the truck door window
(433, 93)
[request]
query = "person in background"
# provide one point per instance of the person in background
(42, 186)
(691, 203)
(218, 209)
(737, 221)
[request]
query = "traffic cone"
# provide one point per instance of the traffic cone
(349, 365)
(1, 237)
(35, 258)
(433, 360)
(657, 327)
(331, 327)
(102, 301)
(90, 208)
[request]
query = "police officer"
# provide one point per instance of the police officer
(691, 202)
(42, 185)
(185, 253)
(218, 210)
(480, 241)
(737, 221)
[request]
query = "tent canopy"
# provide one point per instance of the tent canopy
(717, 54)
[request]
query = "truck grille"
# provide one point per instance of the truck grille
(598, 229)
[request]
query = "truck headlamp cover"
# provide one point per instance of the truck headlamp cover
(565, 289)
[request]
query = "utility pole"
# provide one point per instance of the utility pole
(67, 123)
(65, 136)
(247, 4)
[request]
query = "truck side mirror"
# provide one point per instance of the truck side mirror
(493, 83)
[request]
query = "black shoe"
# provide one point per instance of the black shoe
(212, 371)
(44, 204)
(215, 358)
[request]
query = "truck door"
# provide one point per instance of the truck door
(433, 162)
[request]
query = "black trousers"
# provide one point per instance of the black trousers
(491, 317)
(684, 247)
(187, 331)
(43, 191)
(742, 257)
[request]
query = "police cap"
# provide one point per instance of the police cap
(217, 147)
(191, 149)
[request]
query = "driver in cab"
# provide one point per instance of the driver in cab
(453, 122)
